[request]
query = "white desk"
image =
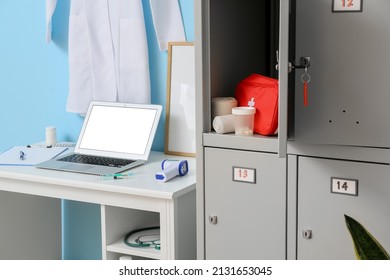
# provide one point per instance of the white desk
(30, 210)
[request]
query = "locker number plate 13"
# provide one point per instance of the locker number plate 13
(246, 175)
(344, 186)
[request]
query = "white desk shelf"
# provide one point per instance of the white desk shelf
(125, 205)
(120, 248)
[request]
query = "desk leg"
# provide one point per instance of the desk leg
(178, 228)
(167, 230)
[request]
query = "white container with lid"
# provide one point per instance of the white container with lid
(51, 136)
(244, 120)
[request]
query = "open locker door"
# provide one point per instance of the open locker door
(348, 90)
(283, 65)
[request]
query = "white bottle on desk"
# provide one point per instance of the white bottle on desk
(51, 136)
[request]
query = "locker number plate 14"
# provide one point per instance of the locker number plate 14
(344, 186)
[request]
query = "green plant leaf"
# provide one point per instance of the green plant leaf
(366, 246)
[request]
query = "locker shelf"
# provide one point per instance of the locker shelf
(251, 143)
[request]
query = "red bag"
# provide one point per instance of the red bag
(262, 93)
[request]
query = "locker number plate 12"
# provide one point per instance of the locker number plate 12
(345, 6)
(246, 175)
(344, 186)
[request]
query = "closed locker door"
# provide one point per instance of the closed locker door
(322, 231)
(348, 92)
(245, 212)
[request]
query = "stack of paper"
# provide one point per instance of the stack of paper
(22, 155)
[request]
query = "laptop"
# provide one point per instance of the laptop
(114, 137)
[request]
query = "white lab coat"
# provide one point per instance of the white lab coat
(108, 51)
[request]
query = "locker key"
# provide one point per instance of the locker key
(307, 233)
(213, 219)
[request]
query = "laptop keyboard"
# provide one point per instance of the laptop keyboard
(96, 160)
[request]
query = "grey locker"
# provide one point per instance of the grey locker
(244, 220)
(321, 211)
(348, 93)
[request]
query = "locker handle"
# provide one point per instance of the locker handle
(307, 233)
(213, 219)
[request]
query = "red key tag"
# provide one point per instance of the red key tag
(305, 103)
(305, 78)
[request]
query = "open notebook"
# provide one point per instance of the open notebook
(114, 137)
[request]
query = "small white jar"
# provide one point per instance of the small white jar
(51, 136)
(244, 120)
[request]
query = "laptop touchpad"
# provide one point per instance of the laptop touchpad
(77, 167)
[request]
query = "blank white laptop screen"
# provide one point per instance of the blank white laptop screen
(104, 132)
(119, 131)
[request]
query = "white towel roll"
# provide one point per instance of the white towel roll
(224, 124)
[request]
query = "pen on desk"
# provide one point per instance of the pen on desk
(39, 146)
(116, 176)
(22, 155)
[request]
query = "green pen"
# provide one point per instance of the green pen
(116, 176)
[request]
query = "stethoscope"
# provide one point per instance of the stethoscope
(144, 240)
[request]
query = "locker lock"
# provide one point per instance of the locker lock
(213, 219)
(307, 233)
(304, 63)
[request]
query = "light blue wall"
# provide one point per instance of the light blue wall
(33, 91)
